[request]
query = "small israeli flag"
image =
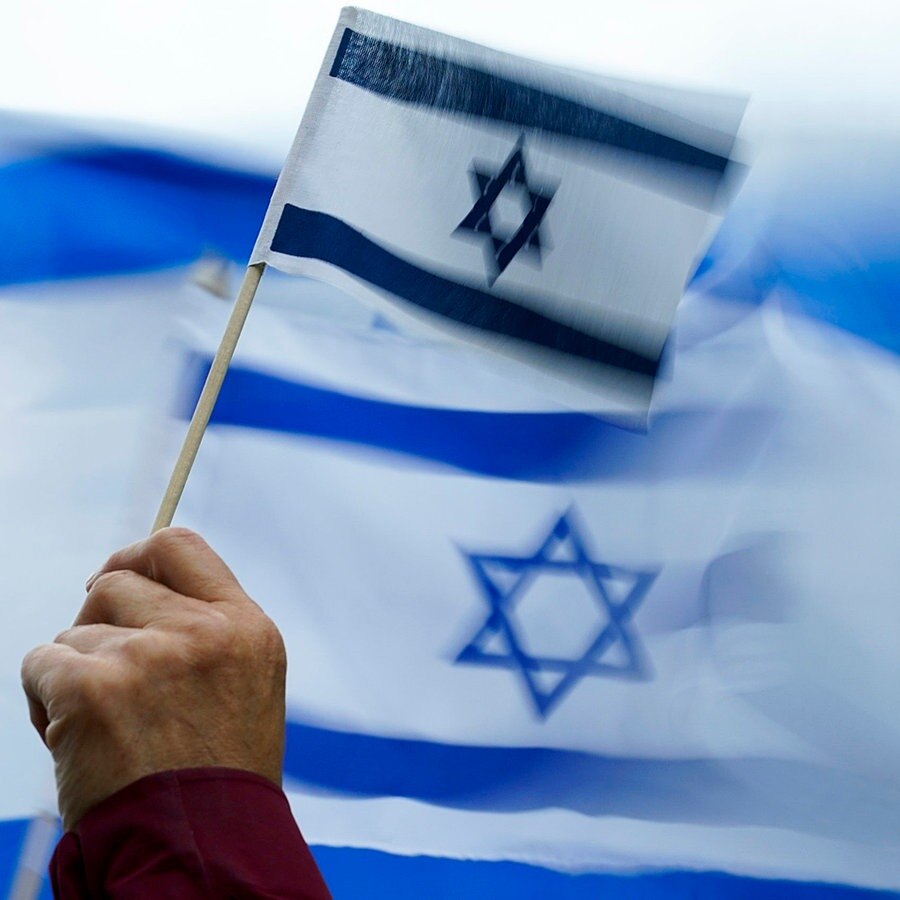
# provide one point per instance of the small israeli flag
(552, 216)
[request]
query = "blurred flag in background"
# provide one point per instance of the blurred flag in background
(532, 654)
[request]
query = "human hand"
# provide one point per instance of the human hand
(169, 665)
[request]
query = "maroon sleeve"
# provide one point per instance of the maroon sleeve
(186, 834)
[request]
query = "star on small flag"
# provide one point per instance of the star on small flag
(503, 244)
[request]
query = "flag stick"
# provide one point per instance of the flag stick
(208, 395)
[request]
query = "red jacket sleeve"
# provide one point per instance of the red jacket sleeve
(188, 834)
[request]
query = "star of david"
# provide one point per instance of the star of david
(611, 647)
(502, 245)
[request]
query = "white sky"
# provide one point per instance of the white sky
(240, 71)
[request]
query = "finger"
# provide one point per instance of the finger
(181, 560)
(129, 600)
(90, 638)
(45, 669)
(41, 668)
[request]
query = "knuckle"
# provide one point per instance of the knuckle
(175, 539)
(225, 639)
(145, 651)
(32, 661)
(110, 582)
(219, 627)
(270, 634)
(268, 642)
(32, 656)
(104, 592)
(215, 635)
(133, 649)
(42, 658)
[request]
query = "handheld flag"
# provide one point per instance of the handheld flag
(509, 203)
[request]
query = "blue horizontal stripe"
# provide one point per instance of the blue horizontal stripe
(12, 840)
(354, 873)
(530, 446)
(747, 792)
(12, 834)
(411, 76)
(827, 248)
(108, 209)
(316, 235)
(351, 873)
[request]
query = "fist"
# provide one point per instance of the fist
(169, 665)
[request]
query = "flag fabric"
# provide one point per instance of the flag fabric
(531, 653)
(551, 216)
(522, 634)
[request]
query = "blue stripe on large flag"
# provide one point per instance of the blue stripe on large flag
(12, 834)
(109, 209)
(533, 446)
(756, 792)
(12, 841)
(351, 873)
(316, 235)
(411, 76)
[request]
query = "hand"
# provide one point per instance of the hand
(169, 665)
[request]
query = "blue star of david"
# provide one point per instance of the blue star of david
(501, 249)
(617, 591)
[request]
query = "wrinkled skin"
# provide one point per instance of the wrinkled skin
(168, 665)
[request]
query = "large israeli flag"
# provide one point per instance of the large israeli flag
(523, 635)
(531, 654)
(550, 216)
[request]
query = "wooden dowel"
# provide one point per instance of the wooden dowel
(208, 395)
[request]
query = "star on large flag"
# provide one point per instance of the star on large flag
(502, 245)
(557, 615)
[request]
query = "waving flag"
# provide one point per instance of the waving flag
(523, 635)
(552, 217)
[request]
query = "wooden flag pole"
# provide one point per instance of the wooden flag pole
(208, 396)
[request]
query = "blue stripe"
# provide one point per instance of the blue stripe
(12, 835)
(353, 873)
(828, 247)
(104, 210)
(529, 446)
(740, 792)
(12, 839)
(410, 76)
(316, 235)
